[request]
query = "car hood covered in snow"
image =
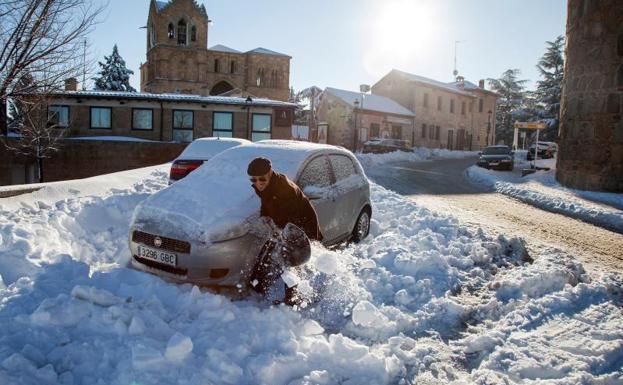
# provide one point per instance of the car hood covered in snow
(218, 196)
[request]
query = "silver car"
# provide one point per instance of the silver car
(206, 229)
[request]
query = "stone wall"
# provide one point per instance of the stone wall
(591, 130)
(86, 158)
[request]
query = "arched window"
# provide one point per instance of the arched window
(152, 36)
(171, 32)
(217, 65)
(259, 80)
(181, 32)
(232, 67)
(193, 33)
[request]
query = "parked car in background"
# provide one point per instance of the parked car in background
(378, 146)
(497, 157)
(206, 228)
(198, 152)
(547, 150)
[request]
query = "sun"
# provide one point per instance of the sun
(400, 32)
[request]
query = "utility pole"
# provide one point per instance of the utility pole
(456, 71)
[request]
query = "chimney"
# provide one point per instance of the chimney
(71, 84)
(481, 83)
(460, 80)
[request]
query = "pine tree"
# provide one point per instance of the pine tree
(551, 67)
(114, 75)
(510, 102)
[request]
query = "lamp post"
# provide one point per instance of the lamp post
(356, 103)
(247, 104)
(488, 125)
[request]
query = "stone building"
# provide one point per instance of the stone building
(178, 60)
(168, 117)
(590, 152)
(458, 115)
(350, 118)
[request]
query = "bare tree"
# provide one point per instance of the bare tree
(41, 44)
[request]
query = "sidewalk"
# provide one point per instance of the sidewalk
(542, 190)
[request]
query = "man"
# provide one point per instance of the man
(284, 203)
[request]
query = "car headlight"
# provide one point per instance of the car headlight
(225, 234)
(506, 160)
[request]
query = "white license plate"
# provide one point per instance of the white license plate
(494, 163)
(157, 255)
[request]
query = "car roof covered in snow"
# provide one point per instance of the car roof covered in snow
(206, 148)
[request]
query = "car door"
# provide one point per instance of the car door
(348, 193)
(315, 180)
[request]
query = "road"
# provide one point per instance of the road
(442, 186)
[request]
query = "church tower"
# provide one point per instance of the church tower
(179, 61)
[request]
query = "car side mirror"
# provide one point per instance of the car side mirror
(479, 153)
(314, 192)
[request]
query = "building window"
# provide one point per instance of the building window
(193, 33)
(431, 132)
(480, 104)
(425, 102)
(182, 126)
(232, 67)
(471, 106)
(423, 130)
(101, 117)
(259, 79)
(396, 131)
(181, 32)
(437, 133)
(438, 103)
(223, 124)
(58, 116)
(142, 119)
(451, 106)
(375, 130)
(217, 65)
(462, 108)
(261, 127)
(171, 31)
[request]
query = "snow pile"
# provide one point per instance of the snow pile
(422, 300)
(542, 190)
(419, 154)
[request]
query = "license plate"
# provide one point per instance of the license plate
(494, 163)
(157, 255)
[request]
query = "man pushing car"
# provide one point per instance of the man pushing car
(283, 202)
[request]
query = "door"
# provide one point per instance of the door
(450, 139)
(315, 180)
(348, 193)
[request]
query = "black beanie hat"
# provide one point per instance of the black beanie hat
(259, 167)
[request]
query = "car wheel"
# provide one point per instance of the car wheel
(362, 226)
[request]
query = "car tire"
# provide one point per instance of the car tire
(362, 226)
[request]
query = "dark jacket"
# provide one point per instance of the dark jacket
(284, 202)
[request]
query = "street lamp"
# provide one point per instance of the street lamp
(247, 104)
(356, 103)
(488, 125)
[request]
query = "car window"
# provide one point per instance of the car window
(316, 173)
(343, 167)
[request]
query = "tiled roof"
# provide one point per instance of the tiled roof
(370, 102)
(175, 98)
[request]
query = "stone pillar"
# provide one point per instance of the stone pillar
(591, 129)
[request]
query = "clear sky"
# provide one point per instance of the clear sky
(345, 43)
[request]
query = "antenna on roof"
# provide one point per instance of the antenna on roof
(456, 42)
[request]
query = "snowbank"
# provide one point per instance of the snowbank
(419, 154)
(542, 190)
(422, 300)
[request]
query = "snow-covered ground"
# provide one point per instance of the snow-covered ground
(542, 190)
(419, 154)
(422, 300)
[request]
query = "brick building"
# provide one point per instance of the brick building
(458, 115)
(351, 118)
(178, 60)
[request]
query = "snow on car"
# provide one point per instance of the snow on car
(204, 228)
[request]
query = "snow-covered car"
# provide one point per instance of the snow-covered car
(547, 150)
(378, 146)
(198, 152)
(497, 157)
(206, 228)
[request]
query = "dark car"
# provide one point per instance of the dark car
(379, 146)
(497, 157)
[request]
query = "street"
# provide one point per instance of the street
(441, 186)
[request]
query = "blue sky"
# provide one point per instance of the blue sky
(342, 44)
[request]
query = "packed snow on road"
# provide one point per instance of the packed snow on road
(421, 300)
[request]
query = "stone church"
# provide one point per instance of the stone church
(178, 60)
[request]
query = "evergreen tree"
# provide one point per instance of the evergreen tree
(510, 102)
(548, 92)
(114, 75)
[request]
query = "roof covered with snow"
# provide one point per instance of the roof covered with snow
(265, 51)
(450, 87)
(223, 48)
(258, 102)
(206, 148)
(370, 102)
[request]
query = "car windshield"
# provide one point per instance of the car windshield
(496, 151)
